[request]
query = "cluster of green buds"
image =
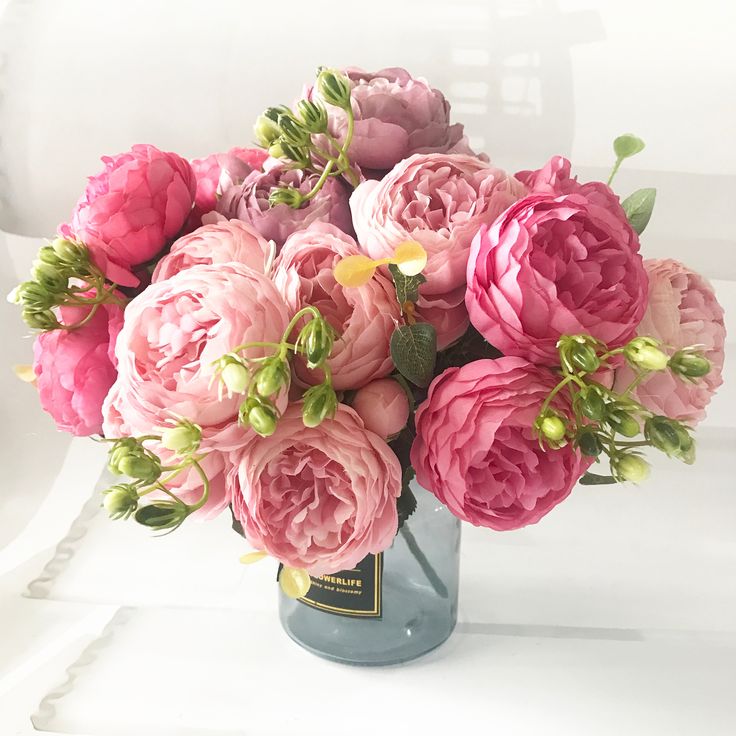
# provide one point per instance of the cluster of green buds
(301, 137)
(147, 474)
(62, 275)
(263, 378)
(601, 421)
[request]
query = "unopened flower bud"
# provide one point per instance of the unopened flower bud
(289, 196)
(579, 353)
(334, 88)
(34, 296)
(266, 131)
(43, 319)
(70, 253)
(316, 340)
(275, 150)
(671, 437)
(52, 278)
(631, 467)
(143, 467)
(644, 353)
(591, 403)
(689, 363)
(235, 377)
(313, 116)
(120, 500)
(292, 131)
(263, 418)
(47, 254)
(553, 428)
(162, 515)
(182, 439)
(588, 442)
(272, 376)
(623, 423)
(319, 403)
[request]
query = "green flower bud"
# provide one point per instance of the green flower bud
(43, 319)
(276, 150)
(34, 296)
(579, 353)
(313, 116)
(643, 353)
(274, 112)
(272, 376)
(623, 423)
(293, 132)
(631, 467)
(553, 428)
(120, 500)
(51, 278)
(183, 439)
(315, 340)
(162, 515)
(47, 254)
(591, 403)
(286, 195)
(689, 363)
(671, 437)
(319, 403)
(71, 254)
(589, 443)
(143, 467)
(334, 88)
(266, 131)
(235, 376)
(263, 418)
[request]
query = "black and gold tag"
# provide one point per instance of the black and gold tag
(356, 592)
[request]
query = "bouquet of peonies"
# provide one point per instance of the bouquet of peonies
(294, 331)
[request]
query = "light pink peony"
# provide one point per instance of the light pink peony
(383, 406)
(364, 317)
(75, 368)
(172, 333)
(219, 171)
(319, 499)
(248, 201)
(476, 451)
(683, 311)
(396, 116)
(439, 200)
(553, 265)
(131, 209)
(222, 242)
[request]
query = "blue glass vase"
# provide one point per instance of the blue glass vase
(392, 607)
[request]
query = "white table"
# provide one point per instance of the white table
(616, 614)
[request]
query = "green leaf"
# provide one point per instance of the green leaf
(638, 208)
(407, 287)
(627, 145)
(406, 504)
(592, 479)
(414, 352)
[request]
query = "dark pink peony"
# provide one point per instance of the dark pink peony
(555, 264)
(75, 368)
(130, 210)
(476, 450)
(248, 201)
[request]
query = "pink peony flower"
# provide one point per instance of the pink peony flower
(219, 171)
(475, 448)
(396, 116)
(553, 265)
(249, 202)
(365, 317)
(173, 332)
(131, 209)
(383, 406)
(439, 200)
(222, 242)
(683, 311)
(319, 499)
(75, 368)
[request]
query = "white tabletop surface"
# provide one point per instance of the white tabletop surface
(615, 615)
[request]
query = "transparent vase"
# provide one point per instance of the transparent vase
(392, 607)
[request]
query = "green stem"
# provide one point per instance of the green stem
(614, 170)
(82, 322)
(295, 320)
(642, 443)
(320, 182)
(555, 391)
(439, 587)
(206, 488)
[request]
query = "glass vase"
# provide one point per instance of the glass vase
(392, 607)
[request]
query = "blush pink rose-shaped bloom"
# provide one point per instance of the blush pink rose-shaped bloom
(557, 264)
(383, 406)
(476, 450)
(76, 368)
(317, 498)
(228, 241)
(683, 311)
(172, 334)
(439, 200)
(131, 209)
(219, 171)
(248, 201)
(364, 317)
(396, 116)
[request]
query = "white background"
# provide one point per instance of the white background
(614, 615)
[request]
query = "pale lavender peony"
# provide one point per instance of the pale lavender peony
(439, 200)
(396, 116)
(248, 202)
(683, 311)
